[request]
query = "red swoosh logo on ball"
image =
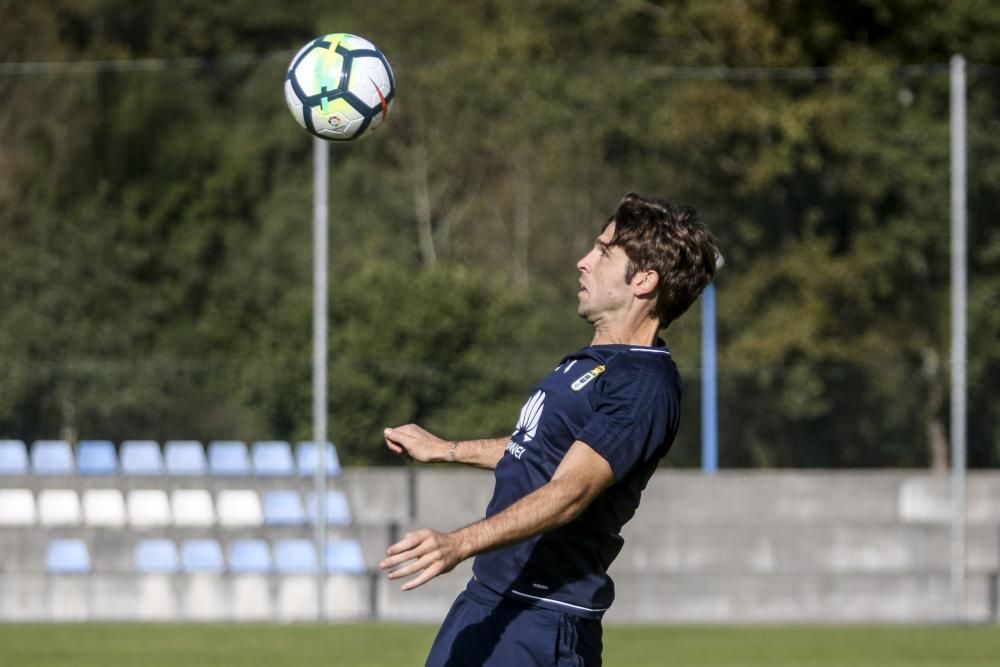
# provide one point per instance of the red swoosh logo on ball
(381, 97)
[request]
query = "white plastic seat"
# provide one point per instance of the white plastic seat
(192, 507)
(148, 507)
(58, 507)
(17, 507)
(103, 507)
(239, 507)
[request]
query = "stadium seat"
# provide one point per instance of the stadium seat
(228, 458)
(239, 507)
(344, 557)
(185, 457)
(96, 457)
(202, 556)
(295, 556)
(13, 457)
(156, 556)
(103, 507)
(192, 507)
(67, 556)
(338, 511)
(273, 458)
(306, 459)
(283, 508)
(58, 507)
(52, 457)
(141, 457)
(148, 507)
(17, 507)
(249, 557)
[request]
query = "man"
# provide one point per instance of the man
(570, 476)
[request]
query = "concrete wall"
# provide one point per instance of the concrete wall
(736, 547)
(740, 547)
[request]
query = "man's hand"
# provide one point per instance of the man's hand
(416, 443)
(432, 553)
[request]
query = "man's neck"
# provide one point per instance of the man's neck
(642, 334)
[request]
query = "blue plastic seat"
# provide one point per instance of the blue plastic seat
(141, 457)
(228, 458)
(306, 456)
(273, 458)
(283, 508)
(67, 556)
(338, 510)
(295, 556)
(52, 457)
(96, 457)
(185, 457)
(202, 556)
(13, 457)
(344, 557)
(249, 557)
(156, 556)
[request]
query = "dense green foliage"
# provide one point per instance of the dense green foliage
(155, 237)
(390, 645)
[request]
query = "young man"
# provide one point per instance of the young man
(587, 441)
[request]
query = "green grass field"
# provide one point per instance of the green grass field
(377, 645)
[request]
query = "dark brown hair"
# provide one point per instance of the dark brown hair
(670, 240)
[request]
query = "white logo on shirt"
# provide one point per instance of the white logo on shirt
(531, 414)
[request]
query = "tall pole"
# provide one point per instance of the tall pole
(709, 411)
(958, 337)
(321, 168)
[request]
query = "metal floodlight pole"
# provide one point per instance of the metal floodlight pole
(958, 335)
(709, 409)
(321, 169)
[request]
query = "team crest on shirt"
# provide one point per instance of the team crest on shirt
(585, 379)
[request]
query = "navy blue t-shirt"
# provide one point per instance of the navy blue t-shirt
(624, 402)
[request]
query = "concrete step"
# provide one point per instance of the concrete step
(798, 598)
(768, 546)
(196, 597)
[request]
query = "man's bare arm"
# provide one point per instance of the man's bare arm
(580, 477)
(421, 445)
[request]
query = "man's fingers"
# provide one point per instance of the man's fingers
(425, 576)
(409, 547)
(415, 566)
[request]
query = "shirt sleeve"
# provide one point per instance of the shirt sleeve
(636, 411)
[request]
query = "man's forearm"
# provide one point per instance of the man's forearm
(485, 453)
(546, 508)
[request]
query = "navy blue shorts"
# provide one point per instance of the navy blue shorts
(485, 628)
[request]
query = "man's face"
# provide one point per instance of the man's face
(603, 289)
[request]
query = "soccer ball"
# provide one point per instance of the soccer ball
(339, 87)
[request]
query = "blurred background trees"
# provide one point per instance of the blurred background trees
(155, 238)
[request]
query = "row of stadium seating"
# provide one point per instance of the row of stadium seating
(230, 458)
(245, 556)
(154, 507)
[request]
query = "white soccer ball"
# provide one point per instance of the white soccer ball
(340, 87)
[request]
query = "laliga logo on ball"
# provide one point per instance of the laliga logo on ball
(340, 87)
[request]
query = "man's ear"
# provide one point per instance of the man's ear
(644, 283)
